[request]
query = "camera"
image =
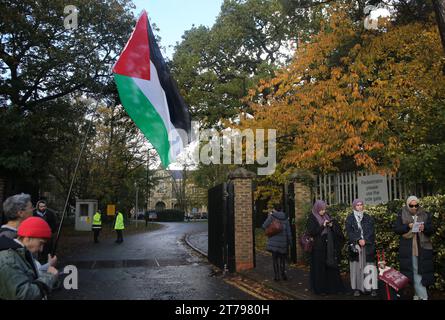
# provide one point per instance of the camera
(353, 252)
(353, 248)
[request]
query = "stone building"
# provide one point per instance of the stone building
(167, 193)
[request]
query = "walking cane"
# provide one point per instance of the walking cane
(388, 294)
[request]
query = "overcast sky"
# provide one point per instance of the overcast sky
(173, 17)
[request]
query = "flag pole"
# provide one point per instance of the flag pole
(54, 249)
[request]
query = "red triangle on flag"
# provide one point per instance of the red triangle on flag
(135, 58)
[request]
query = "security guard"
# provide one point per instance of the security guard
(97, 225)
(119, 226)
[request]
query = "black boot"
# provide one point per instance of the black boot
(276, 272)
(283, 275)
(283, 267)
(276, 267)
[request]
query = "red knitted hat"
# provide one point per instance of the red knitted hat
(34, 227)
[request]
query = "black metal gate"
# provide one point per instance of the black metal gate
(221, 222)
(289, 209)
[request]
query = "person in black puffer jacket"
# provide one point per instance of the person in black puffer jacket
(278, 244)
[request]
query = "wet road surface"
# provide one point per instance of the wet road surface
(155, 265)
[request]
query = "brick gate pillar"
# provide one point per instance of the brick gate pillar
(243, 203)
(303, 185)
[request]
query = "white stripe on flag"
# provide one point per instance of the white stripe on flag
(155, 94)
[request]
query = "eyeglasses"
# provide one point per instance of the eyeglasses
(414, 205)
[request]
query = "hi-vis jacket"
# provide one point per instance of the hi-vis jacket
(97, 221)
(119, 223)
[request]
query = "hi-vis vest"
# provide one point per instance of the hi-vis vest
(97, 219)
(119, 225)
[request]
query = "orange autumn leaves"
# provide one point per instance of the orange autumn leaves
(352, 95)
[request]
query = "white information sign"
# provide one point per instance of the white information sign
(373, 189)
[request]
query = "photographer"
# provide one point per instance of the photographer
(361, 247)
(20, 279)
(326, 251)
(416, 248)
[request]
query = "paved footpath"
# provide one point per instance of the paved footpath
(297, 285)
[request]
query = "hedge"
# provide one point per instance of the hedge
(170, 215)
(385, 216)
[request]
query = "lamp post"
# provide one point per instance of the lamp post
(136, 203)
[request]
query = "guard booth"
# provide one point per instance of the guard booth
(85, 209)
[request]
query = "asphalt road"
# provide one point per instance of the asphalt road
(156, 265)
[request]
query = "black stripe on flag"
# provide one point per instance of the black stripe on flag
(179, 111)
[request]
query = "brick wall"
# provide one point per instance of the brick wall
(243, 224)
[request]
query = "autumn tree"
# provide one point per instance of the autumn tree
(217, 66)
(360, 99)
(439, 9)
(404, 12)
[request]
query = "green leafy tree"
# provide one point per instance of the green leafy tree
(215, 67)
(41, 60)
(44, 66)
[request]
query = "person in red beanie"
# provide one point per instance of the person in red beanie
(19, 277)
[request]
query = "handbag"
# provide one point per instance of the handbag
(274, 227)
(306, 242)
(353, 252)
(395, 279)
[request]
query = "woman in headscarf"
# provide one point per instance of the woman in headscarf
(326, 250)
(415, 228)
(361, 247)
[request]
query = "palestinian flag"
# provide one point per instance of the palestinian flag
(150, 95)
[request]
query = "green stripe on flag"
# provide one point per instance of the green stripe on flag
(140, 109)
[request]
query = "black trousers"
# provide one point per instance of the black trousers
(96, 233)
(120, 238)
(279, 265)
